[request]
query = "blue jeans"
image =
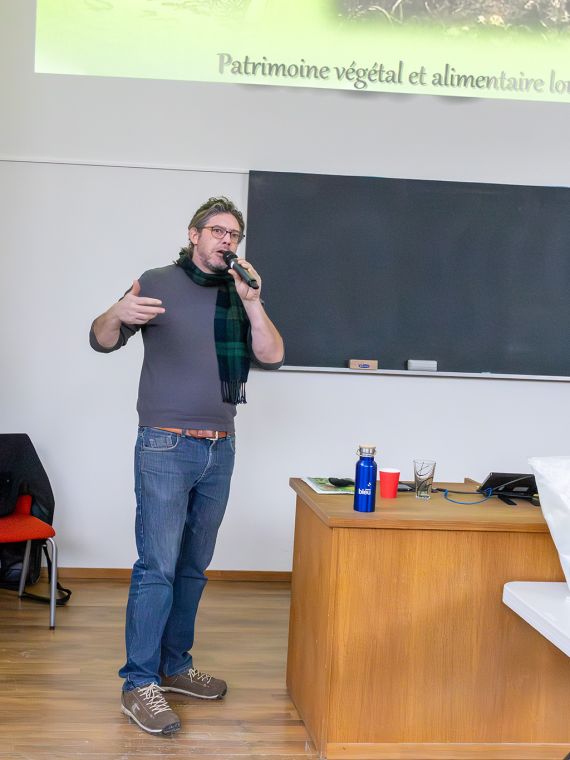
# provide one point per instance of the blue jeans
(182, 486)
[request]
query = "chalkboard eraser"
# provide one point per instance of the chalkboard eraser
(422, 365)
(363, 363)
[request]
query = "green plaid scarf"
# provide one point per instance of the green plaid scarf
(231, 327)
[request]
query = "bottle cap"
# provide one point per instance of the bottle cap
(366, 450)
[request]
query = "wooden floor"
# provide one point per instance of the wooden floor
(60, 694)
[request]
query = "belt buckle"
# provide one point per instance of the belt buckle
(209, 438)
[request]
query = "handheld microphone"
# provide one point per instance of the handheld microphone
(230, 259)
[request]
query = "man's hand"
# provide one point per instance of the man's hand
(243, 290)
(133, 309)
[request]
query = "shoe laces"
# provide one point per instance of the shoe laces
(196, 675)
(152, 695)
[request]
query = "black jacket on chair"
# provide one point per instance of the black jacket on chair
(21, 471)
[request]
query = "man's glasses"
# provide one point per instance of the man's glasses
(220, 232)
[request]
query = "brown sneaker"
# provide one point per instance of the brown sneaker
(195, 684)
(150, 710)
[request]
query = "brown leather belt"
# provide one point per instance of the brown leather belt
(211, 434)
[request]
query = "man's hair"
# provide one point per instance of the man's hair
(210, 208)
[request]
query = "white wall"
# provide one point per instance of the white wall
(78, 226)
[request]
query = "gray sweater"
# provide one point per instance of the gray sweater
(179, 383)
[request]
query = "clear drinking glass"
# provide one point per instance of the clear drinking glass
(424, 470)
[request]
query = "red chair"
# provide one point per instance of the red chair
(20, 525)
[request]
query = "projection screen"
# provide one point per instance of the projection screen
(515, 49)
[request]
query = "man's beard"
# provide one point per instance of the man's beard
(213, 266)
(216, 268)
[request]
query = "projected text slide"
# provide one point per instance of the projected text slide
(512, 49)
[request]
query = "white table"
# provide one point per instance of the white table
(545, 606)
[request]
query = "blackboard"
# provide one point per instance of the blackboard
(475, 276)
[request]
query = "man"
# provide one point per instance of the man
(200, 324)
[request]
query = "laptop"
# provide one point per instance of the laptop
(509, 485)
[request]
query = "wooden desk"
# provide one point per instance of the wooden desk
(399, 643)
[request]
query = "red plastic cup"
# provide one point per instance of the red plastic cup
(389, 479)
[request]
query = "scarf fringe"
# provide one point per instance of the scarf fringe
(233, 391)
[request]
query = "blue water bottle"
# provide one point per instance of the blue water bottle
(365, 480)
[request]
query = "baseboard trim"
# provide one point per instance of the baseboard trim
(124, 574)
(271, 576)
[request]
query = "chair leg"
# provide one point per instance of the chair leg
(25, 565)
(53, 587)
